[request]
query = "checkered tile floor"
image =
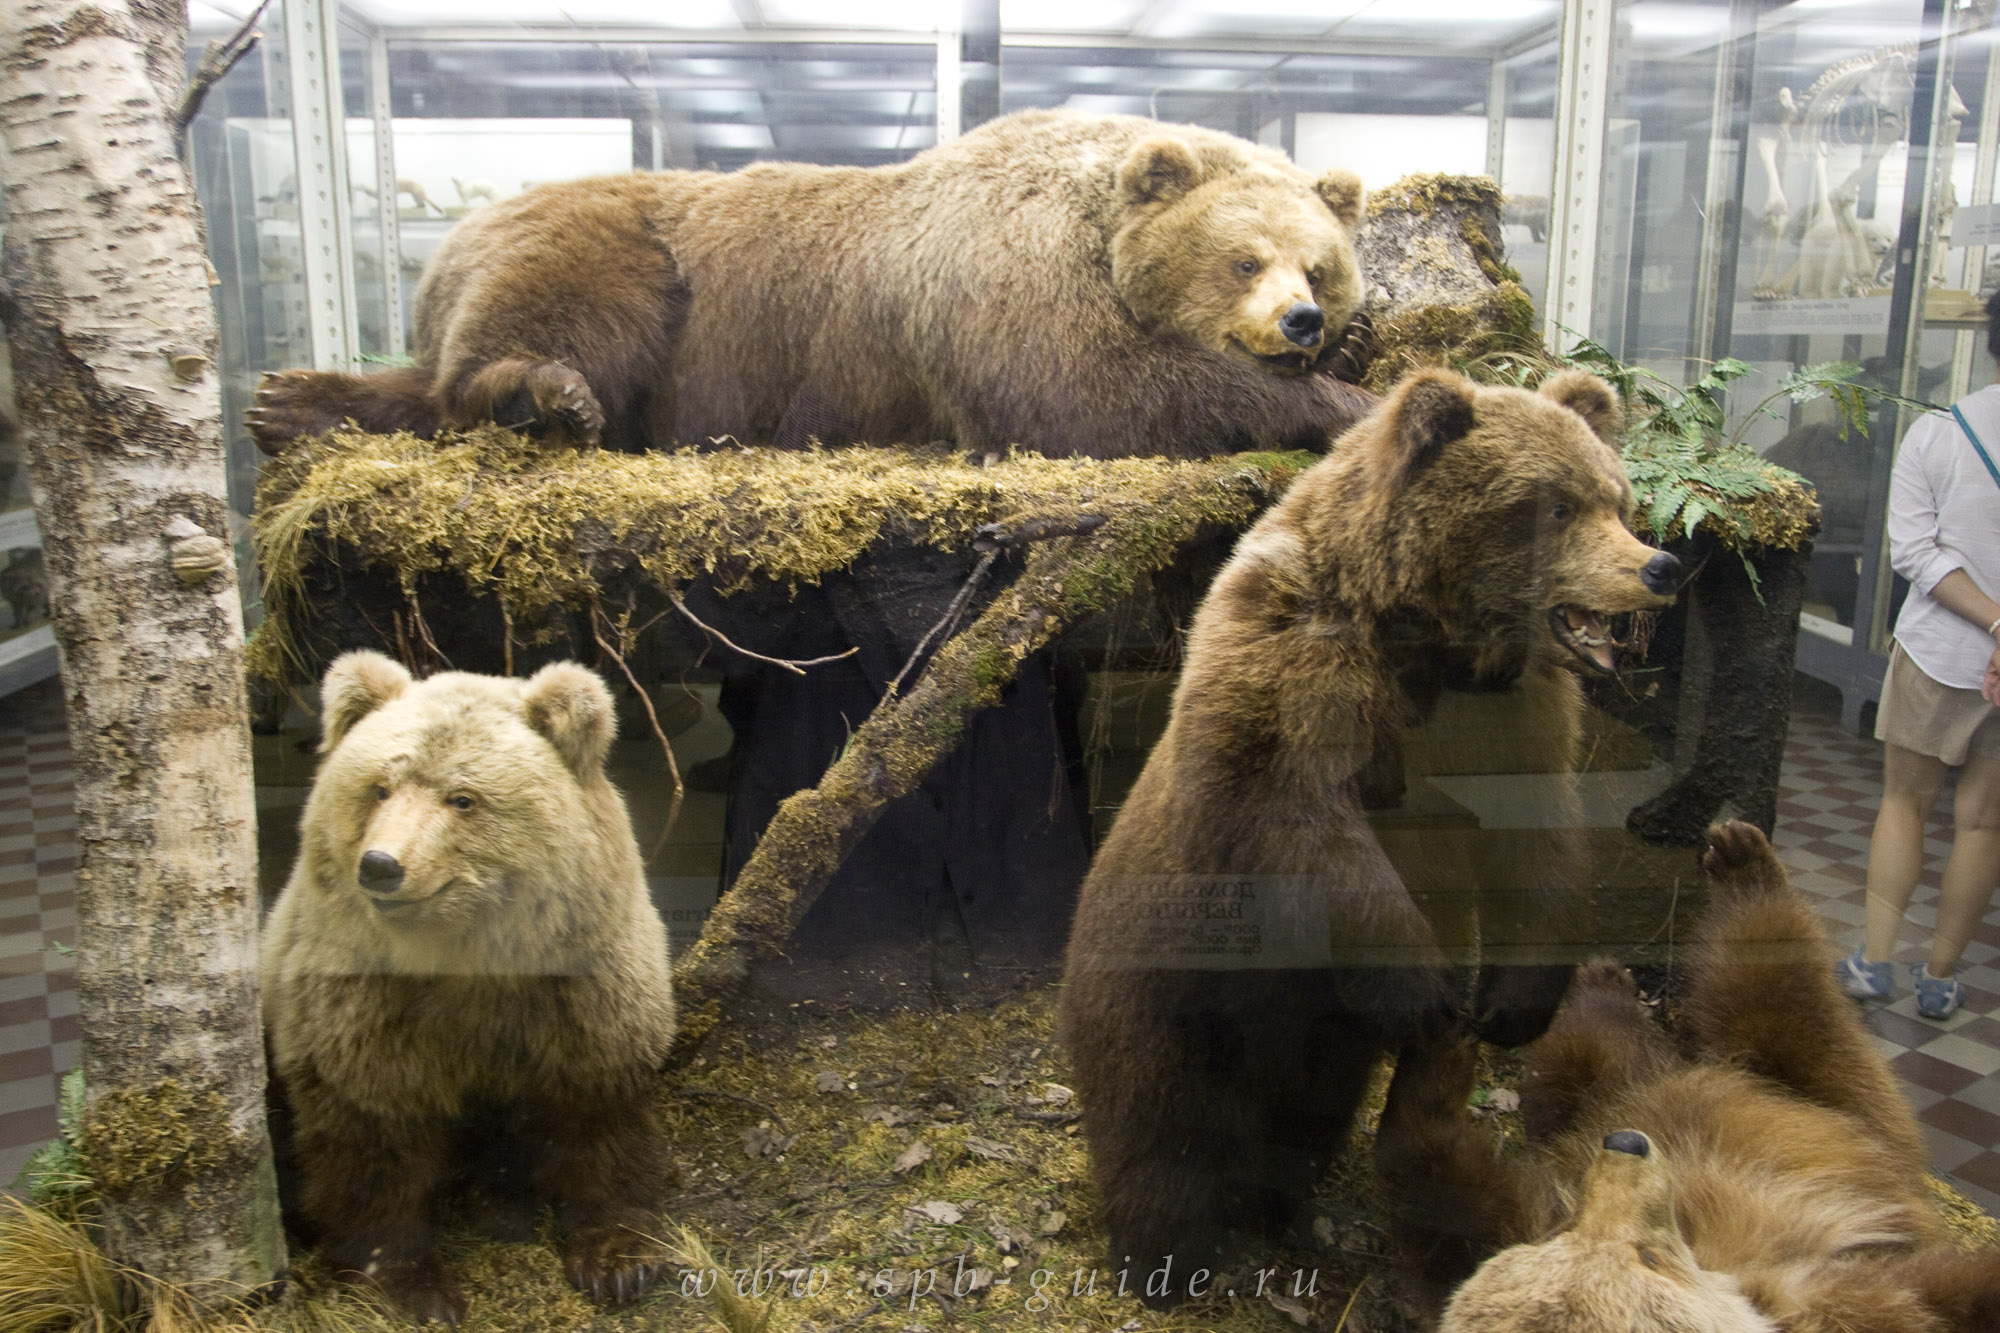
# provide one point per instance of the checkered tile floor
(1828, 792)
(1830, 786)
(37, 914)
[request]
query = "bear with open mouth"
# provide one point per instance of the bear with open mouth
(1244, 950)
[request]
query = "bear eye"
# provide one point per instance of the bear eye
(1248, 267)
(1562, 512)
(381, 793)
(460, 802)
(1312, 277)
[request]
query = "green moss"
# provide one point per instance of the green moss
(528, 525)
(1502, 322)
(1485, 253)
(155, 1137)
(1424, 192)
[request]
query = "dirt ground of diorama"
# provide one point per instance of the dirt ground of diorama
(921, 1170)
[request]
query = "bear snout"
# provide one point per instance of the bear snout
(1628, 1141)
(1303, 324)
(1662, 573)
(380, 872)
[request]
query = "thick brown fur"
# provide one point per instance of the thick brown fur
(509, 984)
(1101, 285)
(1220, 1070)
(1781, 1183)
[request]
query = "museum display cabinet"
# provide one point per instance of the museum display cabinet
(1786, 186)
(27, 645)
(879, 706)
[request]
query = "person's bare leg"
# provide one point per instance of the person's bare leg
(1974, 865)
(1910, 784)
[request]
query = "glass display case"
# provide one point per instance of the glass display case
(1684, 184)
(1800, 186)
(27, 645)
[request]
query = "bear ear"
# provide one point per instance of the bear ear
(570, 705)
(1589, 397)
(1432, 409)
(1156, 171)
(1341, 189)
(356, 685)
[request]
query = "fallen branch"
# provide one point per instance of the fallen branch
(909, 734)
(797, 668)
(945, 621)
(992, 539)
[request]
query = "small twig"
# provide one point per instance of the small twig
(424, 631)
(797, 668)
(507, 643)
(646, 702)
(948, 619)
(991, 540)
(696, 1090)
(1047, 1117)
(994, 537)
(218, 60)
(724, 1187)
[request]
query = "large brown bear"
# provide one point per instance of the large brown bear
(465, 964)
(1243, 951)
(1771, 1179)
(1101, 285)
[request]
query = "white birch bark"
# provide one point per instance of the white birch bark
(114, 346)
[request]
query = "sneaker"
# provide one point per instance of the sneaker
(1936, 998)
(1864, 980)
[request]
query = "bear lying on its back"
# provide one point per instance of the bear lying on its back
(466, 963)
(1774, 1181)
(1102, 285)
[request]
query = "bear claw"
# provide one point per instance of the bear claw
(613, 1264)
(1739, 860)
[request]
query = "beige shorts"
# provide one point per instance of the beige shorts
(1919, 714)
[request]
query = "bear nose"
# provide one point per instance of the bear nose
(1662, 573)
(1303, 323)
(380, 872)
(1628, 1141)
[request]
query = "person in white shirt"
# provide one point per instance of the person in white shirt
(1941, 698)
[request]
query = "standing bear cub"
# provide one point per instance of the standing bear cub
(1771, 1177)
(465, 964)
(1243, 951)
(1073, 284)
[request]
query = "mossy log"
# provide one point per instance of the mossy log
(545, 530)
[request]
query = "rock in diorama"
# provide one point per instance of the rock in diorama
(466, 983)
(1244, 952)
(1773, 1179)
(1073, 284)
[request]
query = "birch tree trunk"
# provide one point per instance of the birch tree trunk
(114, 353)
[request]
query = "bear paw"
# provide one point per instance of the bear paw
(420, 1292)
(289, 405)
(1601, 977)
(611, 1262)
(568, 410)
(1514, 1004)
(1740, 862)
(543, 399)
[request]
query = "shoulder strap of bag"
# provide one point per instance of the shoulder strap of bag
(1984, 457)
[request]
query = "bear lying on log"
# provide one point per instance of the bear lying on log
(1107, 286)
